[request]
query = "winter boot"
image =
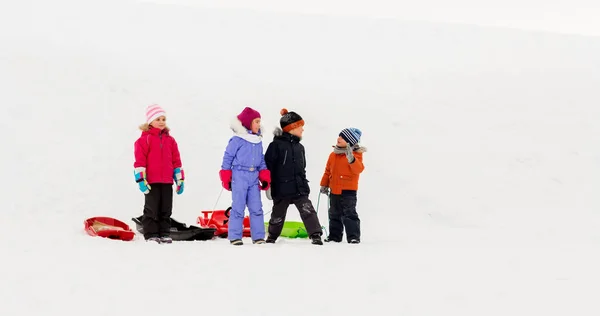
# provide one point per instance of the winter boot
(166, 240)
(316, 239)
(354, 241)
(258, 241)
(155, 239)
(329, 239)
(270, 240)
(237, 242)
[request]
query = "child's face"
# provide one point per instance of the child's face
(298, 131)
(160, 123)
(341, 142)
(255, 125)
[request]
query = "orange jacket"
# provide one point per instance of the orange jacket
(340, 175)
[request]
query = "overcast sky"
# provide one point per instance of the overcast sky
(572, 16)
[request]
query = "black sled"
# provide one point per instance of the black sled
(180, 231)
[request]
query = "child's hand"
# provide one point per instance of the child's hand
(225, 176)
(179, 177)
(349, 154)
(324, 190)
(140, 178)
(264, 177)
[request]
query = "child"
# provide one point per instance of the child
(157, 164)
(244, 172)
(342, 172)
(286, 159)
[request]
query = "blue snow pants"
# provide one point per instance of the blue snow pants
(245, 192)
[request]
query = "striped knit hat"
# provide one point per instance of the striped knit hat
(153, 112)
(351, 135)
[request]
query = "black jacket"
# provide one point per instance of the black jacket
(286, 160)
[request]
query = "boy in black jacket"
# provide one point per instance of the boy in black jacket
(286, 160)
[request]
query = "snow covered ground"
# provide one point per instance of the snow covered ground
(478, 198)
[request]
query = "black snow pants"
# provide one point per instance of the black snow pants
(158, 208)
(307, 214)
(342, 213)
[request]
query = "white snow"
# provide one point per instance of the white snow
(478, 197)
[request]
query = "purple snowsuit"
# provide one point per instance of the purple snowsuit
(244, 157)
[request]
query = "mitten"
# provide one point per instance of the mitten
(264, 179)
(225, 176)
(324, 190)
(178, 176)
(349, 154)
(140, 178)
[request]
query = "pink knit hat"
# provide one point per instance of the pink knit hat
(153, 112)
(247, 116)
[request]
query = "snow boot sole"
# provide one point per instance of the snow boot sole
(237, 242)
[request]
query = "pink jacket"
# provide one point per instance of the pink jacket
(157, 151)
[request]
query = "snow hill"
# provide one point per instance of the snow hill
(478, 197)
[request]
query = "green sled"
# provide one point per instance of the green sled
(292, 230)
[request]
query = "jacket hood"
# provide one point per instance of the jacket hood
(279, 134)
(156, 131)
(240, 131)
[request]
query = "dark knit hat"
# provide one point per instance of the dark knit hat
(351, 135)
(290, 120)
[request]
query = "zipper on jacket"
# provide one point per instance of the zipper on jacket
(161, 155)
(285, 157)
(253, 156)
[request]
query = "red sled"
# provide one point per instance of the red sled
(218, 220)
(108, 227)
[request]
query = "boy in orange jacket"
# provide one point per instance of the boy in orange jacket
(340, 181)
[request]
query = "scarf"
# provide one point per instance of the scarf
(342, 150)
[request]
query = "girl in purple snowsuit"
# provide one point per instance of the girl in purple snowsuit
(245, 173)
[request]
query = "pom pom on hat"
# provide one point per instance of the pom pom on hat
(290, 120)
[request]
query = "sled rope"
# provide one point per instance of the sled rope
(318, 201)
(317, 211)
(218, 198)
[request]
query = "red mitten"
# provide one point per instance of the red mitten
(225, 176)
(264, 179)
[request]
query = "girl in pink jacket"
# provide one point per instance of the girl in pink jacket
(157, 165)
